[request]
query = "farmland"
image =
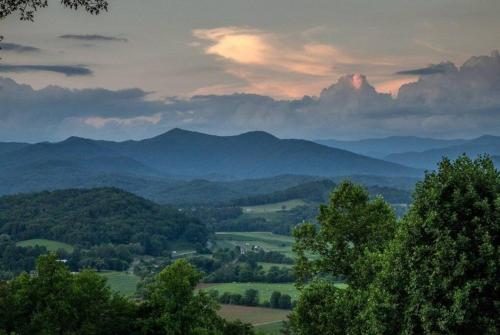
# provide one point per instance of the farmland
(265, 240)
(265, 289)
(49, 244)
(122, 282)
(274, 207)
(254, 315)
(267, 266)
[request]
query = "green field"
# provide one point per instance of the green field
(275, 207)
(267, 266)
(270, 328)
(267, 241)
(50, 245)
(122, 282)
(258, 316)
(265, 289)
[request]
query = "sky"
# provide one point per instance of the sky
(311, 69)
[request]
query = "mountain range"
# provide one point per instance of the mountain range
(382, 147)
(182, 166)
(418, 152)
(179, 154)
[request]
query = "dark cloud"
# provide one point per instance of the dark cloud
(67, 70)
(18, 48)
(462, 102)
(431, 69)
(94, 38)
(54, 112)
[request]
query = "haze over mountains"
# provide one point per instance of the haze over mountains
(418, 152)
(178, 164)
(381, 147)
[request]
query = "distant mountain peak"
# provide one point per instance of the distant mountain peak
(177, 133)
(259, 134)
(75, 140)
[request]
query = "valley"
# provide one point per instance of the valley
(108, 210)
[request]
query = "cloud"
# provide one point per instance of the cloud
(256, 47)
(431, 69)
(67, 70)
(55, 112)
(94, 38)
(18, 48)
(266, 61)
(463, 102)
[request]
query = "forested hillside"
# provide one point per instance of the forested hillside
(97, 216)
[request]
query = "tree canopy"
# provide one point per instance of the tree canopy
(26, 9)
(91, 217)
(435, 272)
(54, 301)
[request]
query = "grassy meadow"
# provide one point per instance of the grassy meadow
(274, 207)
(267, 241)
(265, 289)
(122, 282)
(49, 244)
(257, 316)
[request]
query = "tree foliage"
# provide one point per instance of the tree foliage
(350, 226)
(26, 9)
(437, 274)
(441, 273)
(55, 301)
(92, 217)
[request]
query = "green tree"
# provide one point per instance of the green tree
(274, 301)
(285, 301)
(251, 297)
(441, 272)
(350, 227)
(352, 231)
(437, 275)
(173, 307)
(54, 301)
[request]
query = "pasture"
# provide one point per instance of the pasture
(49, 244)
(267, 266)
(270, 328)
(265, 289)
(265, 240)
(257, 316)
(274, 207)
(122, 282)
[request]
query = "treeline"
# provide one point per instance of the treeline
(281, 222)
(15, 259)
(244, 272)
(319, 191)
(55, 301)
(314, 191)
(229, 265)
(251, 298)
(93, 217)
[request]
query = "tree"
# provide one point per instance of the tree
(350, 226)
(26, 9)
(438, 274)
(172, 306)
(285, 301)
(441, 273)
(54, 301)
(274, 301)
(251, 297)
